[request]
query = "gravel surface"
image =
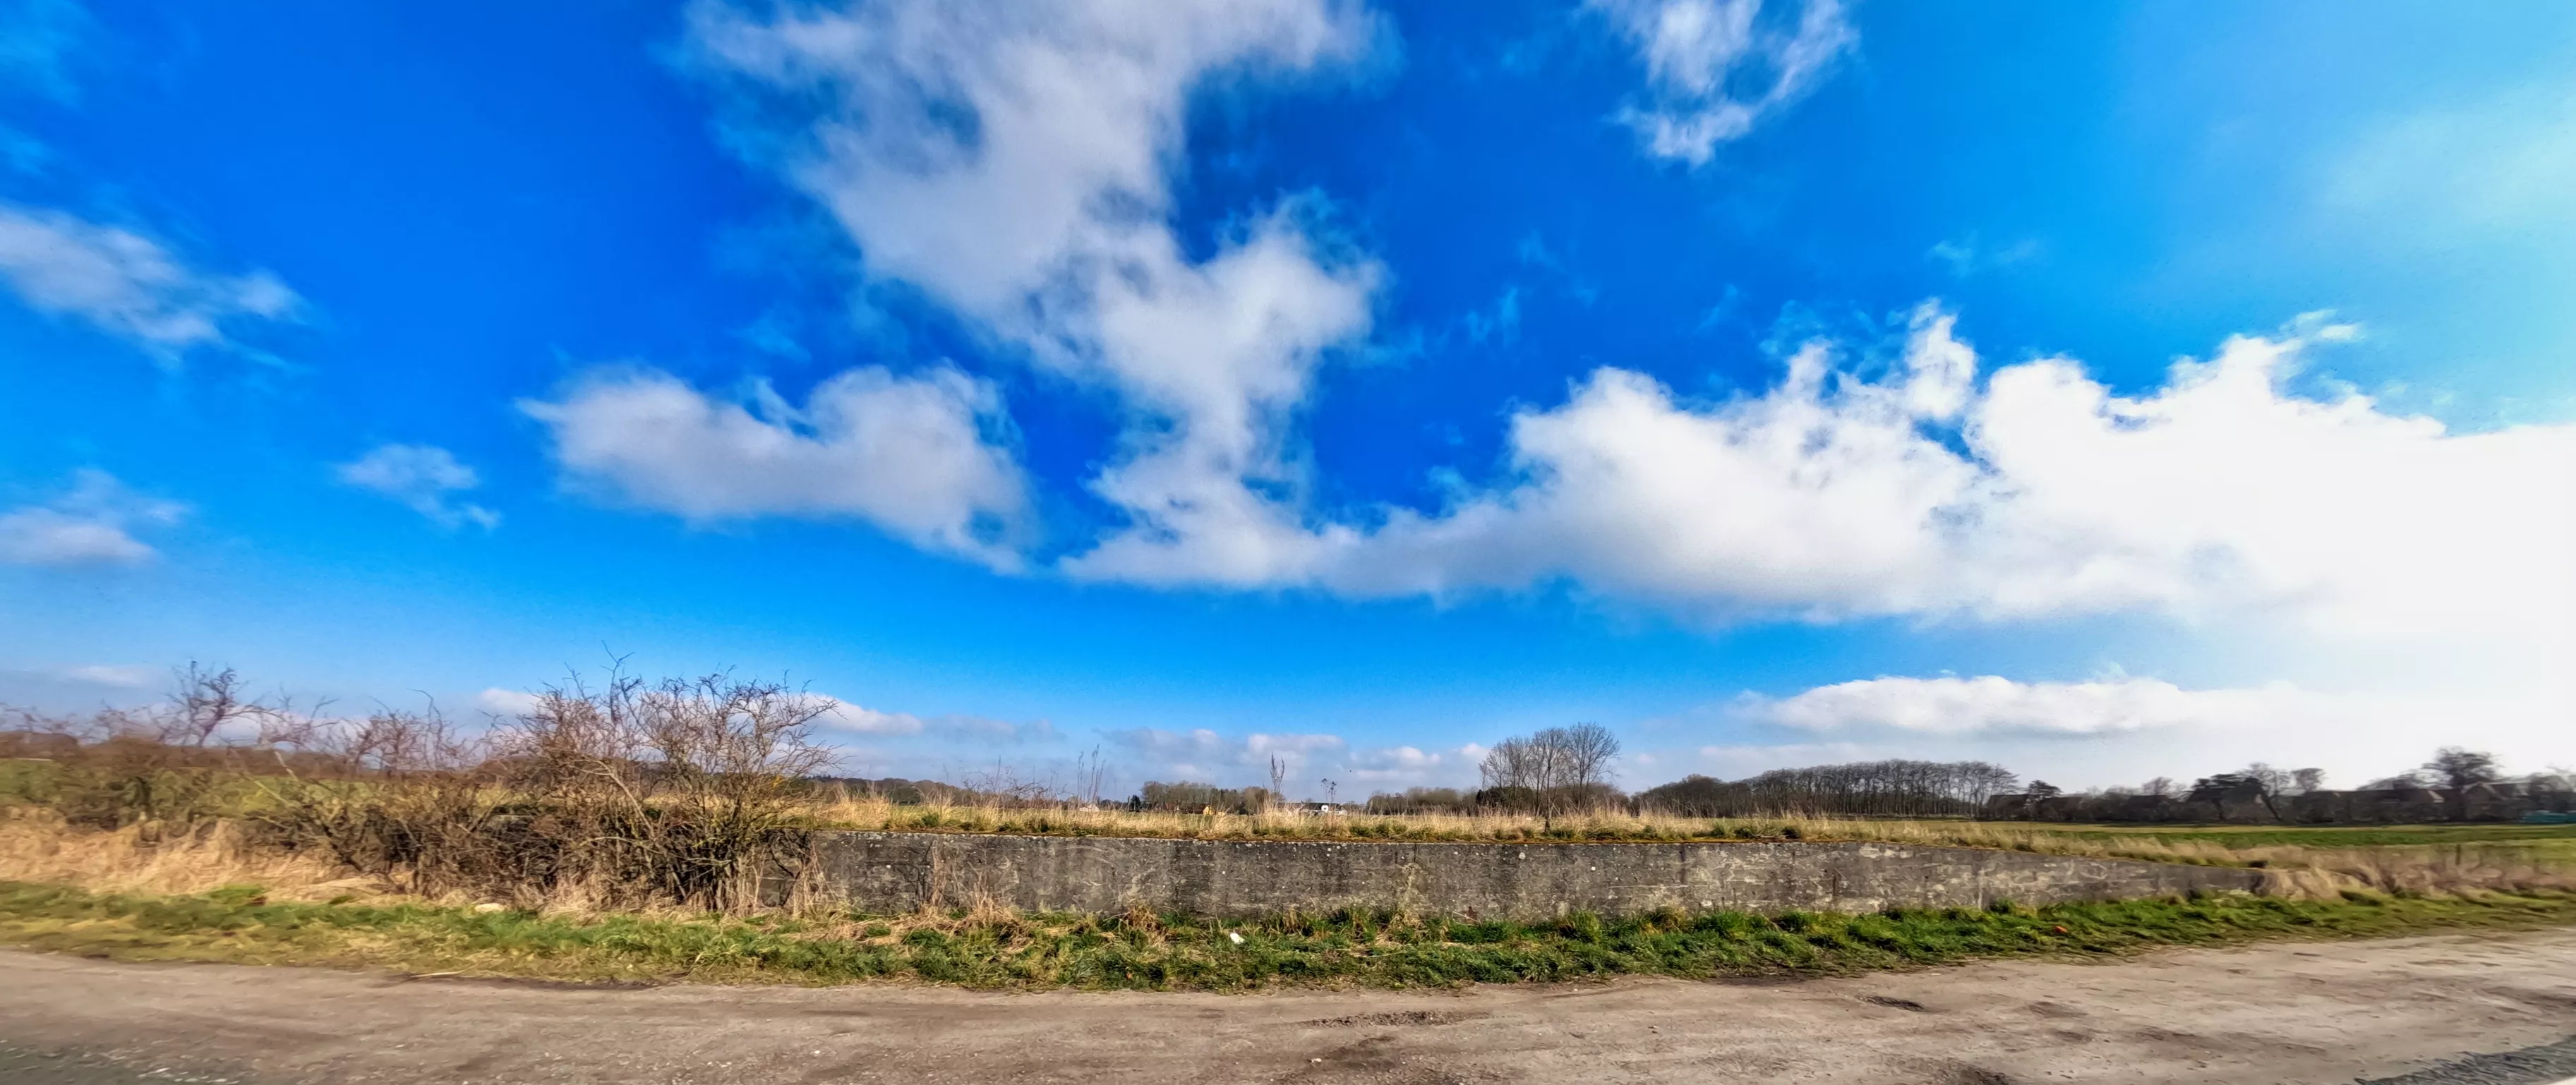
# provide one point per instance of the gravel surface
(2546, 1063)
(2288, 1014)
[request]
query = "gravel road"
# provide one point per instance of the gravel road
(2325, 1013)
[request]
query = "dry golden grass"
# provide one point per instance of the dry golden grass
(36, 846)
(2312, 870)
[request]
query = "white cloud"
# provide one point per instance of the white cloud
(1714, 70)
(1207, 756)
(92, 523)
(2123, 730)
(127, 284)
(844, 716)
(423, 477)
(982, 731)
(1011, 161)
(506, 702)
(2043, 494)
(1959, 706)
(908, 454)
(117, 675)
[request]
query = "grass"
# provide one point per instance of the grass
(2157, 841)
(27, 783)
(2314, 861)
(1148, 951)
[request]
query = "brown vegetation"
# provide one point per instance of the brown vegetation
(685, 792)
(703, 794)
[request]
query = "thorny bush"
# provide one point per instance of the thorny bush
(680, 792)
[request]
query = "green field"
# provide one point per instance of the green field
(2335, 836)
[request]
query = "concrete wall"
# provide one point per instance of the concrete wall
(895, 872)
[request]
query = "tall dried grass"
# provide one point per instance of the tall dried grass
(38, 845)
(2291, 870)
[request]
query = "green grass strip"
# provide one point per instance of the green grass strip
(1174, 951)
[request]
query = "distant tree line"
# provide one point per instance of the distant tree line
(1189, 797)
(2450, 768)
(1893, 788)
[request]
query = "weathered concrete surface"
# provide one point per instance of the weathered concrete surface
(895, 872)
(2288, 1014)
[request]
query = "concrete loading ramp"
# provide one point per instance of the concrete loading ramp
(897, 872)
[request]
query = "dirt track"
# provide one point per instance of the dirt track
(2286, 1013)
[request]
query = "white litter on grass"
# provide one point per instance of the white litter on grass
(1235, 937)
(488, 908)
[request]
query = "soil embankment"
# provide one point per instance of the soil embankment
(2292, 1013)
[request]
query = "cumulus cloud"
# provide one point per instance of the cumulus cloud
(1011, 161)
(424, 477)
(92, 523)
(1715, 68)
(908, 454)
(129, 285)
(2040, 494)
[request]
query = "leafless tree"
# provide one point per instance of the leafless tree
(2454, 767)
(2304, 781)
(1278, 779)
(2160, 786)
(1555, 771)
(1583, 754)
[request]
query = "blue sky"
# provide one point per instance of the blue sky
(1775, 383)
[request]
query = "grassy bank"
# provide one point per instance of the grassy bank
(2209, 844)
(1143, 950)
(2309, 860)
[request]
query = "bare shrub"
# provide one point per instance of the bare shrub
(689, 791)
(398, 795)
(158, 769)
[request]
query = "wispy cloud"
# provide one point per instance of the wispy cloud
(424, 477)
(2118, 728)
(38, 41)
(1715, 69)
(1207, 756)
(129, 285)
(91, 523)
(115, 675)
(1992, 705)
